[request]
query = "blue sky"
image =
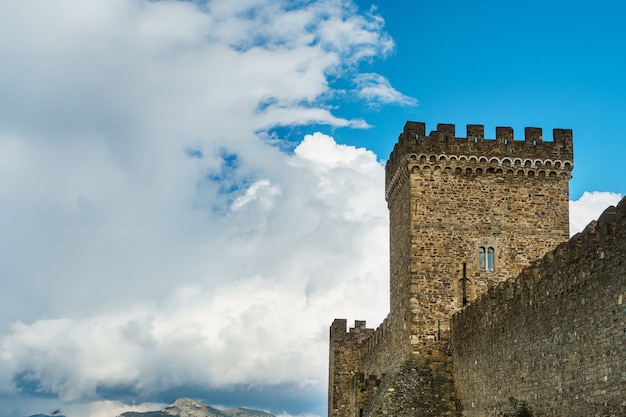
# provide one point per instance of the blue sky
(190, 192)
(556, 64)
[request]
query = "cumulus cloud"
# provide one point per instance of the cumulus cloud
(262, 191)
(589, 207)
(106, 408)
(317, 251)
(112, 408)
(152, 238)
(154, 241)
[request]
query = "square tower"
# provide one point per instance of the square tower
(465, 214)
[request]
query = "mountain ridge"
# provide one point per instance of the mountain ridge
(186, 407)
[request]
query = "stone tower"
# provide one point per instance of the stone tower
(465, 214)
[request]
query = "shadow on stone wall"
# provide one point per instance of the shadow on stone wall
(422, 385)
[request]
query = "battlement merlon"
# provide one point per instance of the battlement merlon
(339, 330)
(443, 141)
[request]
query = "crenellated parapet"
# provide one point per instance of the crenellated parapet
(474, 155)
(360, 331)
(378, 341)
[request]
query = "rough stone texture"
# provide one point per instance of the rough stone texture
(421, 386)
(555, 337)
(448, 197)
(186, 407)
(465, 194)
(346, 382)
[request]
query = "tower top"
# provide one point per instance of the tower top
(443, 142)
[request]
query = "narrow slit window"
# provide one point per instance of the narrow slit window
(490, 260)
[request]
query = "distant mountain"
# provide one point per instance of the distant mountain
(46, 415)
(186, 407)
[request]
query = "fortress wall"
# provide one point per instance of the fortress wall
(518, 218)
(555, 337)
(451, 198)
(359, 358)
(419, 385)
(383, 350)
(376, 352)
(345, 381)
(392, 338)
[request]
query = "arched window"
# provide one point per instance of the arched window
(486, 259)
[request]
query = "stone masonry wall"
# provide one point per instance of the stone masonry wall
(465, 195)
(448, 199)
(421, 385)
(390, 343)
(555, 337)
(344, 376)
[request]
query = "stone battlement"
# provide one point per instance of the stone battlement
(339, 328)
(474, 154)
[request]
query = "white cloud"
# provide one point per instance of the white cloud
(151, 239)
(589, 207)
(313, 251)
(130, 264)
(112, 408)
(107, 408)
(378, 90)
(262, 191)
